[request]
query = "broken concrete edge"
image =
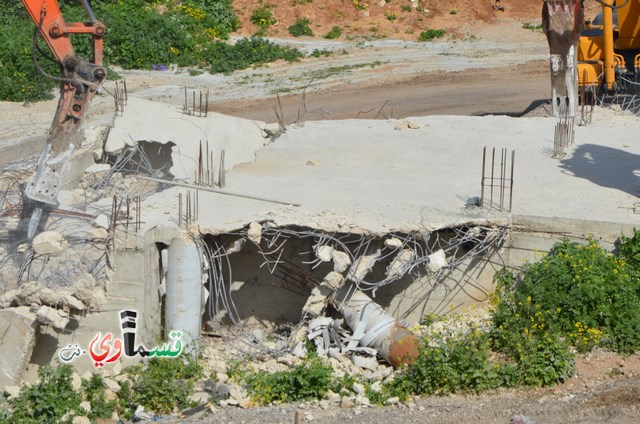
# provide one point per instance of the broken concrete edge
(607, 232)
(329, 228)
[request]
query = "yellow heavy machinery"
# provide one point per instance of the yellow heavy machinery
(607, 48)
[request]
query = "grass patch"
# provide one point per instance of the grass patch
(431, 34)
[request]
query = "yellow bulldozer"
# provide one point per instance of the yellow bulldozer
(601, 55)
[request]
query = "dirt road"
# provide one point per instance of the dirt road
(511, 90)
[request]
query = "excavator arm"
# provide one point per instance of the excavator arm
(79, 80)
(562, 21)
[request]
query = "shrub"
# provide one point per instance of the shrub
(391, 16)
(93, 391)
(319, 53)
(225, 58)
(160, 385)
(431, 34)
(47, 401)
(447, 366)
(335, 32)
(263, 17)
(310, 380)
(524, 331)
(586, 285)
(19, 78)
(300, 28)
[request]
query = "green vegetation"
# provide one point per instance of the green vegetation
(335, 32)
(595, 295)
(531, 27)
(93, 392)
(391, 16)
(190, 34)
(225, 58)
(320, 53)
(301, 28)
(263, 18)
(310, 380)
(431, 34)
(578, 295)
(49, 400)
(160, 385)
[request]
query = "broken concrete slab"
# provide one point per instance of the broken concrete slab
(49, 243)
(17, 340)
(240, 138)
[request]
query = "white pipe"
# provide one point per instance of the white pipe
(373, 327)
(183, 307)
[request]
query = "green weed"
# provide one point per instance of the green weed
(431, 34)
(531, 27)
(335, 32)
(161, 385)
(310, 380)
(300, 28)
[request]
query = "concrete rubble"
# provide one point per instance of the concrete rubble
(18, 329)
(382, 216)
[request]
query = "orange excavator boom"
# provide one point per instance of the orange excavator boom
(79, 80)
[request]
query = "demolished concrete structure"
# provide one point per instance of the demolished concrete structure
(384, 207)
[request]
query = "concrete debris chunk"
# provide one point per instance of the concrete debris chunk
(317, 301)
(236, 246)
(366, 362)
(406, 125)
(358, 388)
(393, 243)
(255, 232)
(49, 243)
(17, 339)
(12, 392)
(112, 385)
(300, 350)
(333, 280)
(8, 298)
(76, 381)
(324, 253)
(362, 266)
(48, 297)
(73, 302)
(437, 261)
(49, 316)
(401, 264)
(80, 419)
(341, 261)
(97, 234)
(102, 221)
(28, 294)
(236, 392)
(85, 405)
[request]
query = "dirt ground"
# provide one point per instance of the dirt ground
(390, 18)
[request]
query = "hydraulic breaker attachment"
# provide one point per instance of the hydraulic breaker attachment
(79, 81)
(562, 21)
